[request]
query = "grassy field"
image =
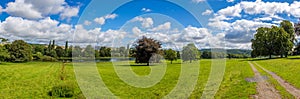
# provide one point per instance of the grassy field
(287, 68)
(35, 80)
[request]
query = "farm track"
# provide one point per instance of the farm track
(264, 88)
(288, 87)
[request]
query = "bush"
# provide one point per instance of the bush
(62, 90)
(48, 59)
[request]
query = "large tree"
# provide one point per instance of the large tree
(170, 55)
(20, 51)
(3, 53)
(271, 41)
(190, 52)
(145, 49)
(89, 51)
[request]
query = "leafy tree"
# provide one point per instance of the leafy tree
(145, 49)
(190, 52)
(89, 51)
(4, 53)
(178, 55)
(271, 41)
(60, 52)
(20, 51)
(170, 55)
(105, 52)
(76, 51)
(289, 28)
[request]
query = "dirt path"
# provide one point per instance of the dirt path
(264, 88)
(290, 88)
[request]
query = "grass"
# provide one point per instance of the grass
(286, 68)
(284, 94)
(35, 80)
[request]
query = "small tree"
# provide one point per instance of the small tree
(145, 49)
(190, 52)
(170, 55)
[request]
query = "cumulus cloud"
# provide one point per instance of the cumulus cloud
(207, 12)
(1, 9)
(165, 26)
(146, 10)
(36, 9)
(101, 20)
(69, 12)
(230, 0)
(231, 11)
(29, 29)
(146, 22)
(86, 22)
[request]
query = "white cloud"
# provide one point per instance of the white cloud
(69, 12)
(35, 30)
(207, 12)
(37, 9)
(146, 22)
(101, 20)
(230, 0)
(136, 31)
(165, 26)
(231, 11)
(198, 1)
(146, 10)
(86, 22)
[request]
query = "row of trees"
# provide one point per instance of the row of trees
(274, 40)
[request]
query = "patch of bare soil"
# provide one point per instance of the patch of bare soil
(290, 88)
(264, 88)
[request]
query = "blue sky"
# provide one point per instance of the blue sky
(211, 23)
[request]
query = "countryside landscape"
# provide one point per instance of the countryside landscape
(149, 49)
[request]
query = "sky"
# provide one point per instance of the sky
(207, 23)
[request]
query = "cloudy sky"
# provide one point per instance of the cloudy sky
(211, 23)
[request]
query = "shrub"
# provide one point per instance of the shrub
(48, 59)
(62, 90)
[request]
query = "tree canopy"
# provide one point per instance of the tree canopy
(20, 51)
(274, 40)
(145, 49)
(190, 52)
(170, 55)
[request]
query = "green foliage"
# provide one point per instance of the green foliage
(170, 55)
(20, 51)
(272, 41)
(89, 51)
(4, 55)
(62, 90)
(105, 52)
(48, 59)
(76, 51)
(60, 52)
(190, 53)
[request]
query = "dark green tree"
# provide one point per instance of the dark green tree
(170, 55)
(60, 52)
(145, 49)
(20, 51)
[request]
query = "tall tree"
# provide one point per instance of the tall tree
(190, 52)
(66, 49)
(170, 55)
(145, 49)
(89, 51)
(20, 51)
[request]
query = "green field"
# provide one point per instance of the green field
(36, 79)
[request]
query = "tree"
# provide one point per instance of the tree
(20, 51)
(145, 49)
(190, 52)
(76, 51)
(60, 52)
(4, 53)
(289, 28)
(271, 41)
(88, 51)
(66, 49)
(170, 55)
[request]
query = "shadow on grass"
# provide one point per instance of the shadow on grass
(139, 65)
(293, 58)
(261, 59)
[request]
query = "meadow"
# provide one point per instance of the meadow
(36, 79)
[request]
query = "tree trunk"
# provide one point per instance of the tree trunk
(281, 55)
(270, 56)
(148, 64)
(171, 62)
(190, 61)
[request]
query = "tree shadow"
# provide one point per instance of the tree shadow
(142, 65)
(293, 58)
